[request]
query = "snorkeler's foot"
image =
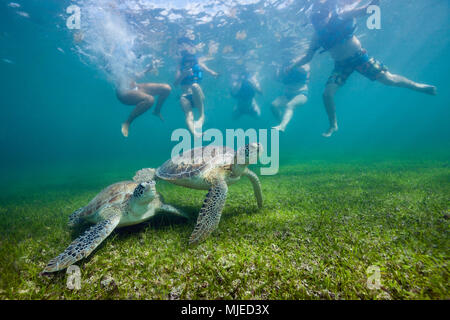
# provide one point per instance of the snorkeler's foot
(198, 135)
(198, 126)
(158, 114)
(279, 128)
(125, 127)
(330, 131)
(199, 123)
(431, 90)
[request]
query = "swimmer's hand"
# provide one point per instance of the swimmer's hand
(212, 73)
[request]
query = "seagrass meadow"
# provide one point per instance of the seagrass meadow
(322, 226)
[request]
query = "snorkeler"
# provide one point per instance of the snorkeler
(295, 94)
(189, 76)
(334, 32)
(142, 95)
(244, 89)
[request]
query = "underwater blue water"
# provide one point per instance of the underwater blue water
(59, 114)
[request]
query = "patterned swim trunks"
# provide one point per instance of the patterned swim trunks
(368, 67)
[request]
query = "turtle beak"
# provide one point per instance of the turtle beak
(148, 189)
(254, 152)
(258, 147)
(152, 187)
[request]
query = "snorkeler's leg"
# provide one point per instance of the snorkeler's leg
(140, 108)
(330, 107)
(157, 89)
(256, 109)
(189, 115)
(395, 80)
(276, 107)
(287, 116)
(198, 98)
(297, 101)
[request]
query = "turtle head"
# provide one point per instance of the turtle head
(248, 154)
(144, 175)
(145, 192)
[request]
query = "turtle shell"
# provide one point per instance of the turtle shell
(195, 162)
(114, 194)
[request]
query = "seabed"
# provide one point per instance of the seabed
(324, 228)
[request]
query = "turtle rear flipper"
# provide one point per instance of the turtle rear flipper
(86, 243)
(209, 216)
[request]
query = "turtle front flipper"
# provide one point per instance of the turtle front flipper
(86, 243)
(256, 186)
(75, 218)
(209, 216)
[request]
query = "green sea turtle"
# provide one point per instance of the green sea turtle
(210, 168)
(119, 205)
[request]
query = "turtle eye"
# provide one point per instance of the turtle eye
(142, 187)
(139, 190)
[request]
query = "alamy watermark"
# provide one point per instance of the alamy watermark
(74, 20)
(373, 278)
(73, 278)
(374, 20)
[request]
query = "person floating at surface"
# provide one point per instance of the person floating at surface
(244, 89)
(295, 81)
(189, 76)
(334, 32)
(142, 95)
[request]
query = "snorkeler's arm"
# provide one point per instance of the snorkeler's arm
(308, 56)
(211, 72)
(359, 11)
(148, 68)
(141, 74)
(256, 86)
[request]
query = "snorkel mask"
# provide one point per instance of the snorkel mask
(321, 13)
(185, 46)
(320, 19)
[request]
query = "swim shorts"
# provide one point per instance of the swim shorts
(189, 97)
(368, 67)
